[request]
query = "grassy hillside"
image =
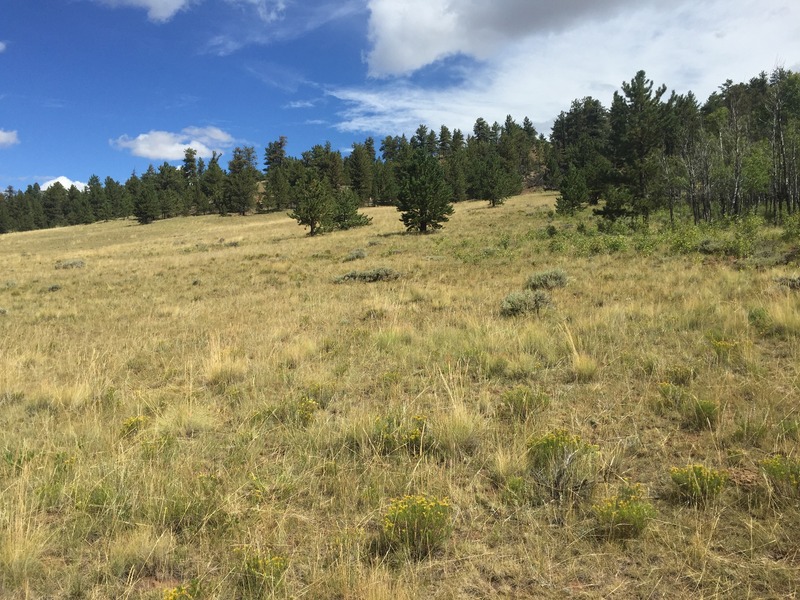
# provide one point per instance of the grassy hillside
(197, 409)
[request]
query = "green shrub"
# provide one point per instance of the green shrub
(783, 473)
(723, 348)
(356, 254)
(378, 274)
(700, 414)
(259, 574)
(547, 280)
(682, 375)
(624, 515)
(393, 433)
(563, 466)
(793, 283)
(524, 302)
(697, 484)
(296, 413)
(190, 591)
(523, 402)
(71, 263)
(418, 524)
(132, 425)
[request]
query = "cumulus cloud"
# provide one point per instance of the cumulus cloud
(65, 181)
(8, 138)
(532, 58)
(167, 145)
(158, 11)
(408, 35)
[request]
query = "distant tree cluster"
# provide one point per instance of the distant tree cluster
(737, 153)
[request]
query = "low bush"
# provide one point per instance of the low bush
(378, 274)
(523, 402)
(697, 484)
(793, 283)
(547, 280)
(525, 302)
(417, 524)
(563, 466)
(624, 515)
(783, 474)
(700, 414)
(72, 263)
(260, 574)
(356, 254)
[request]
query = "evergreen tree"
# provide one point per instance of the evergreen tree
(424, 196)
(79, 211)
(325, 163)
(117, 198)
(345, 213)
(146, 204)
(54, 200)
(5, 218)
(96, 195)
(574, 192)
(360, 169)
(315, 205)
(212, 184)
(385, 183)
(242, 183)
(637, 132)
(580, 138)
(275, 154)
(194, 200)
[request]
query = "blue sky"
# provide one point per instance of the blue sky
(108, 86)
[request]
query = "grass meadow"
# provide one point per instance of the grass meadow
(196, 408)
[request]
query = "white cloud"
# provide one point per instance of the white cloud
(267, 10)
(3, 46)
(65, 181)
(286, 21)
(158, 11)
(533, 57)
(8, 138)
(166, 145)
(411, 34)
(301, 104)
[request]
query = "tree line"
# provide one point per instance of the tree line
(735, 154)
(649, 151)
(322, 187)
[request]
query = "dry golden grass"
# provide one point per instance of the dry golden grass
(202, 385)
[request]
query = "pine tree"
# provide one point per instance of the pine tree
(315, 205)
(424, 196)
(345, 213)
(574, 192)
(360, 169)
(146, 204)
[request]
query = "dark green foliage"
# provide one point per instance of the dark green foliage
(424, 196)
(378, 274)
(345, 213)
(315, 205)
(547, 280)
(574, 192)
(212, 185)
(525, 302)
(242, 181)
(360, 169)
(145, 198)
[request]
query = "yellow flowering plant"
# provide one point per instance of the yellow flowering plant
(420, 524)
